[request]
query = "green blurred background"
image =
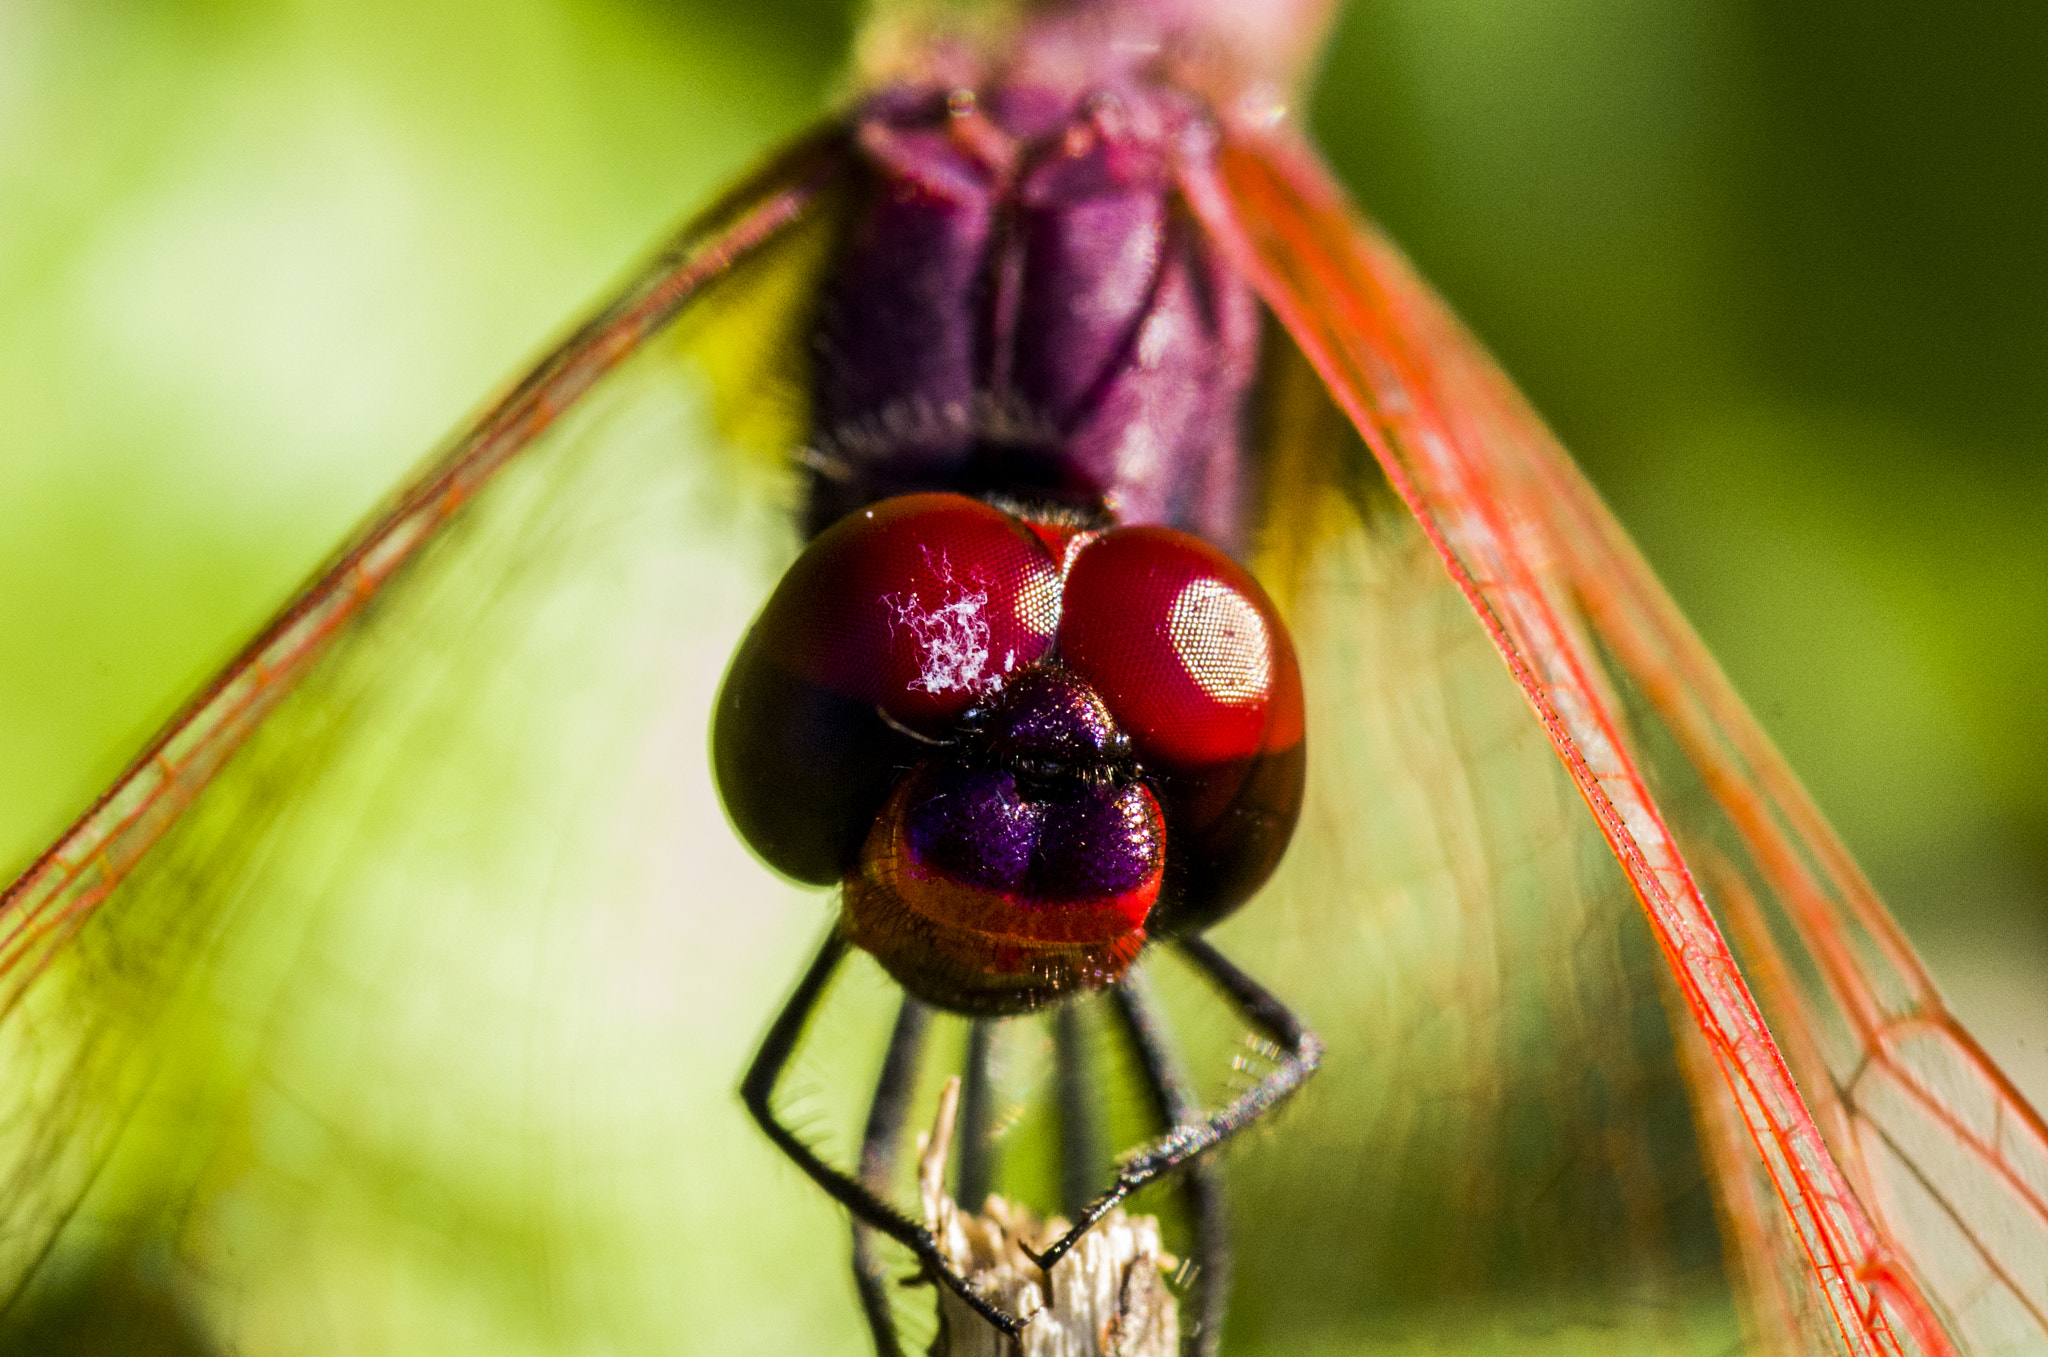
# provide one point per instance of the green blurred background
(1779, 274)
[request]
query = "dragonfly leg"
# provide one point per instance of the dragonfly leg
(757, 1091)
(1082, 1155)
(1300, 1052)
(878, 1164)
(1174, 1103)
(977, 1117)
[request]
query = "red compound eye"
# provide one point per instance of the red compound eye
(1183, 646)
(919, 605)
(1192, 659)
(916, 607)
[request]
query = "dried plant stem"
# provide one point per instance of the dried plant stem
(1109, 1296)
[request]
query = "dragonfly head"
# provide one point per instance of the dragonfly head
(1022, 747)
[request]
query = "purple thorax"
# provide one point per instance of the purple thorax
(1022, 308)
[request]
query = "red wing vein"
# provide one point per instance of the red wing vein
(74, 875)
(1367, 325)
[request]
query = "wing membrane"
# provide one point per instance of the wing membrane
(41, 909)
(366, 1012)
(1497, 1155)
(1932, 1227)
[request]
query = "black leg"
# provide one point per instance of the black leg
(878, 1164)
(757, 1091)
(1082, 1154)
(977, 1118)
(1175, 1104)
(1300, 1052)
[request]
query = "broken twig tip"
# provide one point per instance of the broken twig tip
(1108, 1297)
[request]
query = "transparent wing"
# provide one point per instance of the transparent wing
(376, 1007)
(63, 886)
(1497, 1154)
(1911, 1217)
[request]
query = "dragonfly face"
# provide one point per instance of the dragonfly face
(1005, 737)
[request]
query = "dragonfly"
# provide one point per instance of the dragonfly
(282, 1001)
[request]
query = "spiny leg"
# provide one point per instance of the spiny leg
(1300, 1052)
(1175, 1104)
(977, 1117)
(757, 1091)
(1082, 1153)
(878, 1164)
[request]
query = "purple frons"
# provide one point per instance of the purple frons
(1020, 306)
(985, 828)
(1018, 865)
(1033, 808)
